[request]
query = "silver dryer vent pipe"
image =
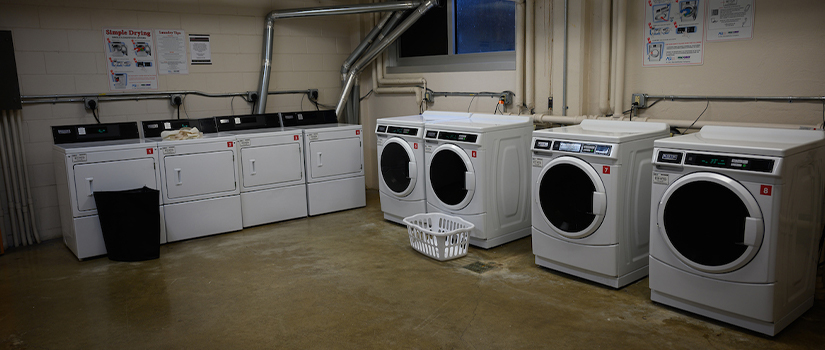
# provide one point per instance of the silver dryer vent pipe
(378, 48)
(269, 32)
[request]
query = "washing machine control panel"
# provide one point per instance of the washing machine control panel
(730, 162)
(399, 130)
(451, 136)
(575, 147)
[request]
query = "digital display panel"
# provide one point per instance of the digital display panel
(603, 150)
(452, 136)
(542, 144)
(431, 134)
(728, 162)
(382, 128)
(401, 130)
(570, 147)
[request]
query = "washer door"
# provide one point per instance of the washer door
(711, 222)
(452, 177)
(398, 166)
(571, 196)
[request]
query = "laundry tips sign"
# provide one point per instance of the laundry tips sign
(130, 59)
(673, 32)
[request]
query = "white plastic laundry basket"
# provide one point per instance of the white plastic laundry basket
(439, 236)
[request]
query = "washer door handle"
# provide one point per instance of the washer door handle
(180, 181)
(753, 231)
(91, 188)
(319, 160)
(599, 201)
(252, 163)
(413, 170)
(469, 180)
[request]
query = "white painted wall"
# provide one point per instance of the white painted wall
(59, 50)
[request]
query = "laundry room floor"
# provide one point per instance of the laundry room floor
(342, 280)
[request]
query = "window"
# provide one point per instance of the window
(462, 35)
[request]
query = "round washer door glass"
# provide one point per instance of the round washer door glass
(711, 221)
(395, 167)
(451, 176)
(571, 196)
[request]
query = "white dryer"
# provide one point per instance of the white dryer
(591, 184)
(199, 182)
(334, 159)
(83, 165)
(479, 169)
(401, 179)
(735, 221)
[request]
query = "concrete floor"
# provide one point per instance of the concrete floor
(342, 280)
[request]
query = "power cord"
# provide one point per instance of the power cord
(95, 115)
(367, 95)
(471, 103)
(700, 115)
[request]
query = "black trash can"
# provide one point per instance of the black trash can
(130, 221)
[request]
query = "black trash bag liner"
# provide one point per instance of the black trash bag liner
(130, 221)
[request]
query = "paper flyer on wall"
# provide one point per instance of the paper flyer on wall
(199, 49)
(171, 51)
(673, 32)
(130, 59)
(730, 20)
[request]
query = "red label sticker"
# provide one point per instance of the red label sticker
(358, 132)
(766, 190)
(474, 154)
(295, 137)
(415, 145)
(150, 151)
(229, 144)
(606, 170)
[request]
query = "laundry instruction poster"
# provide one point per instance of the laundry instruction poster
(130, 59)
(171, 51)
(730, 20)
(674, 32)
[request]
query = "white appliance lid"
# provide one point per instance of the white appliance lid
(613, 131)
(482, 123)
(747, 140)
(105, 145)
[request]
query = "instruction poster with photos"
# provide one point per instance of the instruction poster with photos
(730, 20)
(674, 32)
(130, 59)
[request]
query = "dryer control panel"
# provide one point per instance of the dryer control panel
(712, 160)
(573, 147)
(451, 136)
(397, 130)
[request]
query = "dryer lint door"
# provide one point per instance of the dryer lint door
(339, 157)
(111, 176)
(398, 166)
(452, 177)
(710, 222)
(269, 165)
(197, 174)
(571, 196)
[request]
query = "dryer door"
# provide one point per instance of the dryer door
(452, 176)
(571, 196)
(398, 167)
(710, 222)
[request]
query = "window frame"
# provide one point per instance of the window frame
(451, 62)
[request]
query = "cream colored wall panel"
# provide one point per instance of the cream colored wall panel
(338, 27)
(308, 62)
(280, 62)
(19, 16)
(321, 45)
(37, 111)
(64, 18)
(289, 81)
(136, 5)
(189, 81)
(39, 130)
(343, 45)
(244, 63)
(158, 20)
(41, 174)
(70, 63)
(39, 152)
(85, 40)
(27, 39)
(250, 43)
(224, 43)
(241, 25)
(224, 82)
(44, 196)
(103, 18)
(323, 80)
(289, 44)
(303, 27)
(115, 108)
(30, 63)
(334, 63)
(200, 24)
(46, 84)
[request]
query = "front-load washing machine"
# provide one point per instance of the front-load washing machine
(334, 159)
(735, 224)
(401, 179)
(199, 184)
(479, 169)
(591, 207)
(98, 157)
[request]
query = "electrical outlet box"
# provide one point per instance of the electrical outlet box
(313, 94)
(252, 96)
(640, 100)
(428, 97)
(507, 97)
(176, 100)
(91, 103)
